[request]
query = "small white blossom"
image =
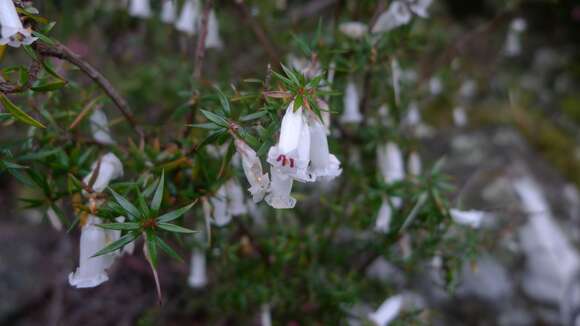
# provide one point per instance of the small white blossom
(188, 19)
(470, 218)
(219, 207)
(258, 180)
(265, 315)
(280, 189)
(323, 164)
(100, 127)
(212, 39)
(390, 162)
(110, 168)
(435, 86)
(354, 30)
(92, 270)
(235, 197)
(388, 311)
(513, 44)
(197, 271)
(398, 14)
(140, 8)
(351, 112)
(383, 221)
(13, 32)
(168, 11)
(414, 164)
(419, 7)
(459, 117)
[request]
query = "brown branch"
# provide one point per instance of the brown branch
(259, 32)
(60, 51)
(200, 48)
(33, 70)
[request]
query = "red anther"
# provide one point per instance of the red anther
(291, 162)
(279, 158)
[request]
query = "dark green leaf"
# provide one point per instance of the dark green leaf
(17, 113)
(168, 217)
(158, 197)
(174, 228)
(127, 206)
(128, 226)
(124, 240)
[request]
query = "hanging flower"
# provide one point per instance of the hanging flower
(419, 7)
(13, 32)
(322, 163)
(513, 44)
(435, 86)
(100, 127)
(351, 113)
(110, 168)
(396, 15)
(383, 221)
(414, 164)
(470, 218)
(354, 30)
(92, 270)
(265, 315)
(140, 8)
(168, 11)
(197, 271)
(188, 18)
(259, 181)
(212, 39)
(219, 207)
(390, 162)
(280, 189)
(291, 156)
(459, 117)
(235, 197)
(388, 311)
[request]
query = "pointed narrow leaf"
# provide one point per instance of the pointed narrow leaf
(215, 118)
(124, 240)
(17, 113)
(174, 228)
(168, 250)
(168, 217)
(127, 206)
(158, 197)
(120, 226)
(223, 100)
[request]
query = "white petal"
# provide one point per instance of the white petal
(280, 189)
(259, 181)
(12, 32)
(188, 19)
(235, 194)
(459, 117)
(111, 168)
(140, 8)
(398, 14)
(213, 40)
(383, 221)
(197, 272)
(351, 112)
(265, 315)
(323, 164)
(414, 164)
(168, 11)
(100, 127)
(420, 7)
(92, 270)
(470, 218)
(390, 161)
(290, 130)
(221, 214)
(354, 30)
(388, 311)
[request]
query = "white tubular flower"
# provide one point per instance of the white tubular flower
(110, 169)
(459, 117)
(390, 162)
(100, 128)
(419, 7)
(322, 163)
(397, 15)
(351, 113)
(187, 22)
(396, 72)
(168, 11)
(513, 45)
(235, 194)
(280, 189)
(53, 219)
(265, 315)
(213, 40)
(291, 155)
(13, 32)
(468, 89)
(435, 86)
(383, 221)
(258, 180)
(140, 8)
(91, 271)
(414, 165)
(354, 30)
(219, 203)
(197, 270)
(388, 311)
(470, 218)
(413, 116)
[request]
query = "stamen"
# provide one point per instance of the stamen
(291, 162)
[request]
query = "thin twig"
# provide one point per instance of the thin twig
(200, 48)
(60, 51)
(33, 70)
(259, 32)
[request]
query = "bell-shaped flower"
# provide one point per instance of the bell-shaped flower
(470, 218)
(235, 193)
(459, 117)
(220, 208)
(100, 128)
(388, 311)
(513, 44)
(390, 162)
(140, 8)
(309, 68)
(396, 74)
(291, 156)
(258, 180)
(265, 315)
(188, 18)
(168, 11)
(383, 221)
(419, 7)
(280, 189)
(396, 15)
(414, 165)
(92, 270)
(109, 168)
(197, 269)
(322, 163)
(53, 219)
(435, 86)
(12, 32)
(212, 39)
(468, 89)
(351, 100)
(354, 30)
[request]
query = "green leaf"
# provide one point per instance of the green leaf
(158, 196)
(168, 217)
(49, 86)
(128, 226)
(124, 240)
(43, 37)
(223, 100)
(174, 228)
(209, 125)
(127, 206)
(215, 118)
(298, 103)
(152, 248)
(142, 204)
(17, 113)
(168, 250)
(254, 116)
